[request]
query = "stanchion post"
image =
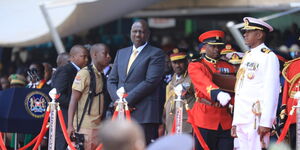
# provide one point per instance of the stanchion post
(121, 103)
(53, 114)
(16, 141)
(179, 108)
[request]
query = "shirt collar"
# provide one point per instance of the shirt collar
(96, 70)
(139, 49)
(259, 47)
(211, 60)
(77, 68)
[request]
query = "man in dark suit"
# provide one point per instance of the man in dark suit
(139, 69)
(62, 80)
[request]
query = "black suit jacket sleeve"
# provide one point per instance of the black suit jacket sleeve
(63, 81)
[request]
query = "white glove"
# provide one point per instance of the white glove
(120, 92)
(223, 98)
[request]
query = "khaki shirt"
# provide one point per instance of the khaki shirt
(82, 84)
(170, 103)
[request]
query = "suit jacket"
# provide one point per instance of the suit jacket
(62, 80)
(142, 83)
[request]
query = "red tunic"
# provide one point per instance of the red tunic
(291, 73)
(206, 116)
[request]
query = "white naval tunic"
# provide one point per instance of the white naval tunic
(257, 80)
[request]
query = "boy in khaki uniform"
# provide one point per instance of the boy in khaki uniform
(80, 91)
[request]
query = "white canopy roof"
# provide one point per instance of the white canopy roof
(22, 22)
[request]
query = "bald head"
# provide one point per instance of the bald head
(97, 48)
(100, 56)
(79, 55)
(121, 135)
(76, 49)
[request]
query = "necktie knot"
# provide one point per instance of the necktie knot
(132, 58)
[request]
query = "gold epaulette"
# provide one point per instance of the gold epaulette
(196, 60)
(286, 66)
(289, 62)
(265, 50)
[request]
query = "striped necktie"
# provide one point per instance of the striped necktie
(132, 58)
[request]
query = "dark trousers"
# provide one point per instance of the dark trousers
(150, 131)
(292, 134)
(60, 142)
(215, 139)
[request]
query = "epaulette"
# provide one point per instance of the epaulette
(289, 62)
(286, 66)
(265, 50)
(196, 60)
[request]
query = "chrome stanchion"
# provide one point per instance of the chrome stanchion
(53, 114)
(179, 108)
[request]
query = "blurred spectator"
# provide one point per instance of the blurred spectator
(173, 142)
(294, 51)
(62, 59)
(4, 83)
(276, 39)
(121, 135)
(227, 49)
(284, 49)
(291, 35)
(47, 72)
(17, 80)
(36, 73)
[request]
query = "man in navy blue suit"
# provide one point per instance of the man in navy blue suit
(139, 69)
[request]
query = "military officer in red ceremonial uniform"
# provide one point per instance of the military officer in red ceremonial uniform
(210, 113)
(291, 73)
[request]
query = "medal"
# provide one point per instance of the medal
(250, 76)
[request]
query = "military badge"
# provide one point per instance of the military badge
(250, 76)
(175, 50)
(36, 104)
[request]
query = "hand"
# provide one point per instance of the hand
(223, 98)
(262, 131)
(233, 132)
(282, 116)
(70, 130)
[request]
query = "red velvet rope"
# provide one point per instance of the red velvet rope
(43, 130)
(45, 121)
(41, 135)
(29, 144)
(197, 132)
(2, 145)
(174, 126)
(64, 129)
(99, 147)
(115, 115)
(127, 114)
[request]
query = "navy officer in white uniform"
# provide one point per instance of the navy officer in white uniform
(256, 90)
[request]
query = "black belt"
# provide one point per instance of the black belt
(209, 103)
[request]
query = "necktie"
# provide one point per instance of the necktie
(132, 58)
